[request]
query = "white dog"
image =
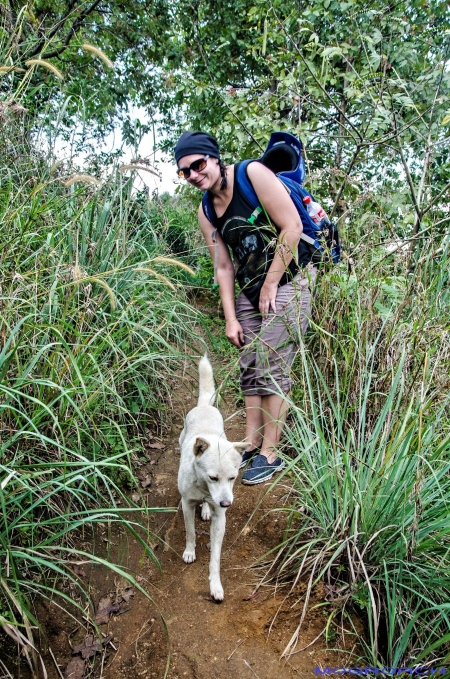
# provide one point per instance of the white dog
(209, 466)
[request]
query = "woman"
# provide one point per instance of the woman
(275, 290)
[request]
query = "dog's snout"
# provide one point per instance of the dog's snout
(225, 503)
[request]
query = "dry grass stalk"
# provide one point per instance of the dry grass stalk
(133, 166)
(47, 65)
(157, 275)
(101, 55)
(82, 178)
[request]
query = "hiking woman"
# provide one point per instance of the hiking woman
(273, 306)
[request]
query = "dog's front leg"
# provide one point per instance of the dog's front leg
(217, 532)
(189, 523)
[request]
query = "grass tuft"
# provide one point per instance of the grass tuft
(369, 463)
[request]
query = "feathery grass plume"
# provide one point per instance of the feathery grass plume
(45, 64)
(56, 166)
(82, 178)
(17, 109)
(41, 187)
(158, 275)
(11, 107)
(132, 166)
(101, 55)
(175, 262)
(8, 69)
(93, 279)
(264, 45)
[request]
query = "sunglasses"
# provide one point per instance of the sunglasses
(196, 166)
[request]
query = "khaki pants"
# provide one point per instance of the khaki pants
(272, 343)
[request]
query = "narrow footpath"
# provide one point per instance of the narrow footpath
(243, 637)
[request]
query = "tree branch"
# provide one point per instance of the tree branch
(72, 31)
(57, 27)
(436, 198)
(405, 166)
(427, 160)
(220, 93)
(342, 186)
(315, 78)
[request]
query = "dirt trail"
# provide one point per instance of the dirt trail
(206, 640)
(209, 640)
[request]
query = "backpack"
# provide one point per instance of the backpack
(283, 156)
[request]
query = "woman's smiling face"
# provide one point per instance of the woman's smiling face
(205, 178)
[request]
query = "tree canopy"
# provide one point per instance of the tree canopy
(366, 86)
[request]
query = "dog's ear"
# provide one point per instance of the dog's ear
(200, 446)
(242, 447)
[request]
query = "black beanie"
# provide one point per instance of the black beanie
(191, 143)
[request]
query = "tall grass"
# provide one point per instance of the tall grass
(370, 431)
(92, 322)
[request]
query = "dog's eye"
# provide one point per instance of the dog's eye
(214, 478)
(232, 478)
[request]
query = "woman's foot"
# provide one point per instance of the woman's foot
(270, 452)
(261, 469)
(249, 455)
(256, 441)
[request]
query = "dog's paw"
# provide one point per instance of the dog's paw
(189, 555)
(216, 591)
(206, 512)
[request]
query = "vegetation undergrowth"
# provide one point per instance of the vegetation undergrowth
(90, 322)
(370, 435)
(93, 319)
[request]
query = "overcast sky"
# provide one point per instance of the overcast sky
(164, 164)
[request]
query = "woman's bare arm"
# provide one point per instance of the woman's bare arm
(225, 278)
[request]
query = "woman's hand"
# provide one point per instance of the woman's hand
(235, 333)
(267, 298)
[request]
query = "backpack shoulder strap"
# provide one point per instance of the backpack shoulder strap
(245, 187)
(245, 184)
(208, 209)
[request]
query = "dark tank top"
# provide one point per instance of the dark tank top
(252, 239)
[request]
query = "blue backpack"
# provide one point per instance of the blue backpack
(283, 156)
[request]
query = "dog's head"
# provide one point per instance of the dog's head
(217, 464)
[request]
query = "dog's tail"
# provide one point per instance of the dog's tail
(206, 395)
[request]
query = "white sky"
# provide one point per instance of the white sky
(164, 164)
(168, 182)
(166, 167)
